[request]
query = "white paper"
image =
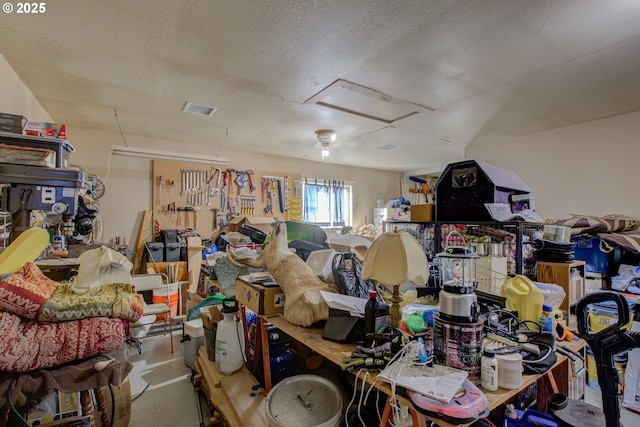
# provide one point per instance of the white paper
(354, 305)
(502, 212)
(437, 382)
(440, 386)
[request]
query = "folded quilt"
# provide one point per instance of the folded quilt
(30, 294)
(29, 345)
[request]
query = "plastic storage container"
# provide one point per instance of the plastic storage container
(589, 251)
(195, 331)
(155, 252)
(172, 252)
(320, 262)
(523, 296)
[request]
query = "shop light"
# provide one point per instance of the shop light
(148, 153)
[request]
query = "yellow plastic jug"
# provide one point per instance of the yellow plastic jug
(523, 296)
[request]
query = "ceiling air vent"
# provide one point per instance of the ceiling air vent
(199, 109)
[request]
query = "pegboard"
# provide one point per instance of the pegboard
(195, 196)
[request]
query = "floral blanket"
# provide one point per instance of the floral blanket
(28, 345)
(44, 323)
(30, 294)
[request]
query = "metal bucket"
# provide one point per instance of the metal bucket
(304, 400)
(459, 345)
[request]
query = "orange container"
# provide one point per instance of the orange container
(160, 297)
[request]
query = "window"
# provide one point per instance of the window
(327, 203)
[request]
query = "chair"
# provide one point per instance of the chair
(151, 282)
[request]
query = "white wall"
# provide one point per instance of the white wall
(586, 169)
(129, 180)
(15, 98)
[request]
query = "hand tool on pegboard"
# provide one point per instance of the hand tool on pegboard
(241, 180)
(230, 171)
(183, 181)
(180, 211)
(286, 193)
(233, 201)
(264, 186)
(268, 209)
(223, 191)
(252, 185)
(280, 196)
(215, 191)
(187, 213)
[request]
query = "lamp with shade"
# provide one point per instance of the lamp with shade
(393, 259)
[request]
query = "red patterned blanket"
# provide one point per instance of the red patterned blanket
(28, 345)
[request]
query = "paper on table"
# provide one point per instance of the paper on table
(355, 306)
(437, 382)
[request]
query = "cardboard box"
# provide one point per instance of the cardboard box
(262, 223)
(53, 130)
(260, 299)
(422, 213)
(122, 399)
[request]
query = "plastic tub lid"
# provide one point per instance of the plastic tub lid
(194, 328)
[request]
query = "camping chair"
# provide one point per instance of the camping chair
(158, 282)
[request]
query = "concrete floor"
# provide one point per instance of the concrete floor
(169, 399)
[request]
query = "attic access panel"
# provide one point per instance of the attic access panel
(362, 101)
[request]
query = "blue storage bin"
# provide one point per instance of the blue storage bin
(588, 250)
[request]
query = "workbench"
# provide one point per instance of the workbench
(556, 379)
(232, 398)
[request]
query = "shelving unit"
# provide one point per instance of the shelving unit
(514, 239)
(570, 276)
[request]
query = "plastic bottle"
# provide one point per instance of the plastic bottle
(547, 319)
(228, 351)
(489, 371)
(376, 314)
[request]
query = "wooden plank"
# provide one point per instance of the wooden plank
(232, 394)
(142, 238)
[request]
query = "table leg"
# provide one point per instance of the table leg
(102, 407)
(266, 357)
(86, 405)
(386, 413)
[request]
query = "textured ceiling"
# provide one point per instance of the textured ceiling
(483, 71)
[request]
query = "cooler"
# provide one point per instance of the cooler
(195, 331)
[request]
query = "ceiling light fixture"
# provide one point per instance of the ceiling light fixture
(326, 137)
(148, 153)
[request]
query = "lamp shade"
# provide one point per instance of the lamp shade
(395, 258)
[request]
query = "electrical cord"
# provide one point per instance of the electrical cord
(506, 324)
(13, 408)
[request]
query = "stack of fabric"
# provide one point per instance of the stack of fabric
(45, 323)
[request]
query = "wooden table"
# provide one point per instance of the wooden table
(335, 352)
(232, 396)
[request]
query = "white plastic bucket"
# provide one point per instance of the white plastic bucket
(304, 400)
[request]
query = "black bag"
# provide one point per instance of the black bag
(347, 273)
